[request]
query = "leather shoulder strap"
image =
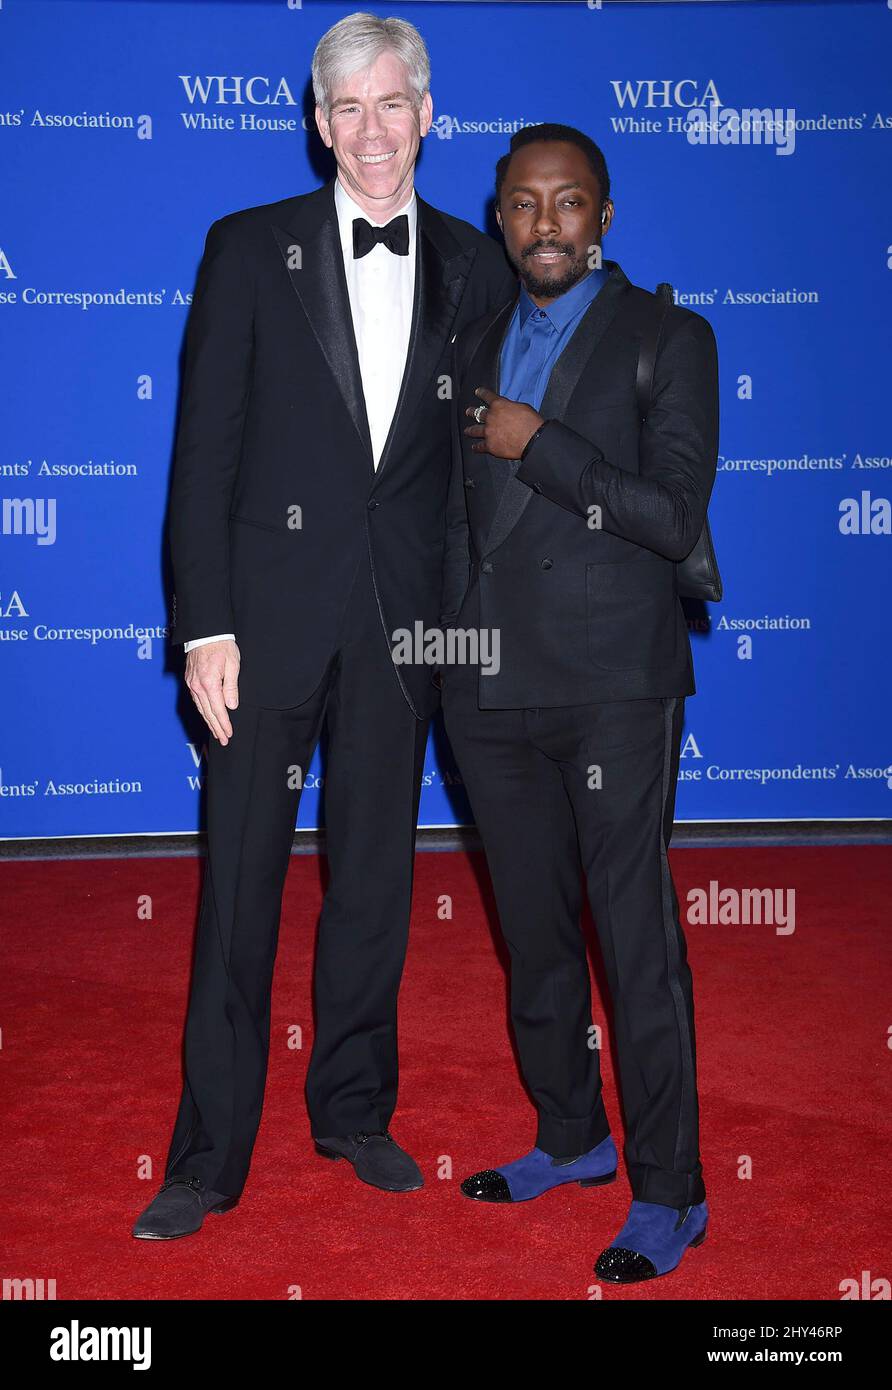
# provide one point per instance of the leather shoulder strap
(650, 344)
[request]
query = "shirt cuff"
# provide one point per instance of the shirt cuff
(203, 641)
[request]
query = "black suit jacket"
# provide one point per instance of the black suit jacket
(586, 602)
(275, 500)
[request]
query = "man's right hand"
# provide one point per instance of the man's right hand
(212, 679)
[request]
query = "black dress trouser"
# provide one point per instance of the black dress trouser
(375, 757)
(546, 786)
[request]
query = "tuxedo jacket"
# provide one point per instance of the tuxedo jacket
(571, 555)
(275, 501)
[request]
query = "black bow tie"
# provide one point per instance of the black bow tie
(395, 236)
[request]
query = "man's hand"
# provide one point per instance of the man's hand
(507, 426)
(212, 678)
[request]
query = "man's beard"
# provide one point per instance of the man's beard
(553, 286)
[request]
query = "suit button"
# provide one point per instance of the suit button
(469, 482)
(486, 567)
(546, 564)
(373, 504)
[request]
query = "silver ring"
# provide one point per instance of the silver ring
(480, 412)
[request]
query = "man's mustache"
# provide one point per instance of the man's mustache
(568, 248)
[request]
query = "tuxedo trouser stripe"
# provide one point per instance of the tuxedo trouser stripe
(687, 1082)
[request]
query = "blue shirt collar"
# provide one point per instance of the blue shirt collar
(567, 305)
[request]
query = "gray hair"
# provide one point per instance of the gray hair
(356, 42)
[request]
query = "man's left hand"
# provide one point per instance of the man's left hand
(507, 426)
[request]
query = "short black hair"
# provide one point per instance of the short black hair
(550, 130)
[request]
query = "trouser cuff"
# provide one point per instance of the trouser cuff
(666, 1188)
(568, 1138)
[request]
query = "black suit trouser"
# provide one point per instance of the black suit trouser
(545, 786)
(375, 757)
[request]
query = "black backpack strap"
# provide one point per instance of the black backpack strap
(697, 575)
(664, 295)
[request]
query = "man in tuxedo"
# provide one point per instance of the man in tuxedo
(308, 525)
(568, 514)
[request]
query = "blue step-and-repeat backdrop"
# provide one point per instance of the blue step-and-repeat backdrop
(127, 128)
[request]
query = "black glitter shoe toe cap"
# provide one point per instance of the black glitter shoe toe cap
(624, 1266)
(488, 1186)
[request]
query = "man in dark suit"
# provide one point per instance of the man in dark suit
(568, 515)
(307, 526)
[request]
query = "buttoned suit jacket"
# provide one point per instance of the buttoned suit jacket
(571, 554)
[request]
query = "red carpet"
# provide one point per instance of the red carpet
(793, 1054)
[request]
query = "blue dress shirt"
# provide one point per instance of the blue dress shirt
(536, 338)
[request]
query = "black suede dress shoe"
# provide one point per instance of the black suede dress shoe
(377, 1160)
(179, 1209)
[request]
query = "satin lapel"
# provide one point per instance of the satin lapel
(483, 370)
(564, 378)
(489, 350)
(440, 281)
(315, 266)
(590, 330)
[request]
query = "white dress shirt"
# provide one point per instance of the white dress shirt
(381, 289)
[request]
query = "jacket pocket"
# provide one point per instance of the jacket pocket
(249, 521)
(631, 614)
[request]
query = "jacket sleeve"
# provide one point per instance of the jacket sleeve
(457, 555)
(216, 385)
(661, 507)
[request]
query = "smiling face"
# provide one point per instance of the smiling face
(374, 128)
(550, 214)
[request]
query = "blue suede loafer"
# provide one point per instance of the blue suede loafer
(538, 1172)
(652, 1242)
